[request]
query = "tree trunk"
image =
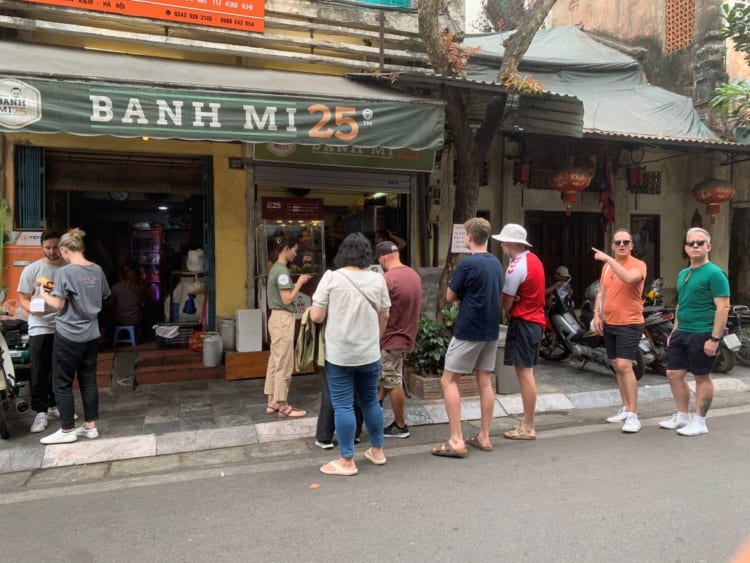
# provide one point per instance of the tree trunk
(470, 148)
(518, 43)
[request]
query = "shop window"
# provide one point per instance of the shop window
(646, 236)
(30, 192)
(679, 29)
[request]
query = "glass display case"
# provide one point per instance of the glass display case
(301, 219)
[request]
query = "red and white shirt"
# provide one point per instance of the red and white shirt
(524, 281)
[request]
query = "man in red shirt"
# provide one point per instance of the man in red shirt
(618, 314)
(405, 290)
(523, 302)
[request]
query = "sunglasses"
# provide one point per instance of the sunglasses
(621, 242)
(695, 243)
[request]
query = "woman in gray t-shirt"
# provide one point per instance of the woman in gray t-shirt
(79, 288)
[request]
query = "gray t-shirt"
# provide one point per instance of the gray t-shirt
(83, 288)
(38, 324)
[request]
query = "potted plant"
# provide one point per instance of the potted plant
(432, 341)
(428, 358)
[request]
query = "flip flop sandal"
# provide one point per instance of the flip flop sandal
(272, 410)
(373, 459)
(518, 433)
(292, 413)
(337, 469)
(474, 441)
(446, 450)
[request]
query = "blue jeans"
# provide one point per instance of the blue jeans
(326, 425)
(342, 382)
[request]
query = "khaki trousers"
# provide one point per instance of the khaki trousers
(281, 360)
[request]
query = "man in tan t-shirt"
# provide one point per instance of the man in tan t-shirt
(618, 315)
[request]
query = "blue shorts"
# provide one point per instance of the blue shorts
(522, 343)
(622, 341)
(685, 351)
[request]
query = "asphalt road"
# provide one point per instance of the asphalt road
(582, 492)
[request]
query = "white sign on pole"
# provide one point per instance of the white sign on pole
(458, 240)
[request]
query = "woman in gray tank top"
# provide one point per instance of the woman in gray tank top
(79, 288)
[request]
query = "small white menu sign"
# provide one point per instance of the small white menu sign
(458, 240)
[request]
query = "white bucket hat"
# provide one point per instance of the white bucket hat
(512, 233)
(562, 271)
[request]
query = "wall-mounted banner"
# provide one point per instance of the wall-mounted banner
(245, 15)
(98, 108)
(356, 157)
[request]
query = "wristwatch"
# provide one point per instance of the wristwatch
(713, 338)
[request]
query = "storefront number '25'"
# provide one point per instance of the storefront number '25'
(343, 118)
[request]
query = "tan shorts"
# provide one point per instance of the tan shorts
(392, 369)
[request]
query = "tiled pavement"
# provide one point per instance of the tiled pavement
(180, 417)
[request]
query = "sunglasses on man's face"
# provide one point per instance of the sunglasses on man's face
(621, 242)
(695, 243)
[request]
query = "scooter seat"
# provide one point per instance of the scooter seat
(650, 309)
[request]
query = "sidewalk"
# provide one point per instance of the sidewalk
(175, 418)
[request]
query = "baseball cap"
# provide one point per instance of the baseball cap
(512, 233)
(562, 271)
(385, 247)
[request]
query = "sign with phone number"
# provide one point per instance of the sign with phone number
(245, 15)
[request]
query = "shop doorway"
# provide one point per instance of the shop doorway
(144, 211)
(561, 240)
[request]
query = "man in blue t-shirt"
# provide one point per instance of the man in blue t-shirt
(476, 283)
(700, 318)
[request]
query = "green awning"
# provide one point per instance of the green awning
(46, 90)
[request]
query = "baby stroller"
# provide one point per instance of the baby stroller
(9, 388)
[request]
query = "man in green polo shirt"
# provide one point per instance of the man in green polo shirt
(702, 310)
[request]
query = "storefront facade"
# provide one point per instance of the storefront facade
(119, 121)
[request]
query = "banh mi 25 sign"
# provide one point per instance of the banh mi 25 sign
(245, 15)
(88, 108)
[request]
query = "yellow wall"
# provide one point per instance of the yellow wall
(230, 218)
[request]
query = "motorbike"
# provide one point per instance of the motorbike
(566, 336)
(739, 324)
(657, 325)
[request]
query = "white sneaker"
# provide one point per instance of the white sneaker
(87, 433)
(677, 421)
(60, 437)
(632, 424)
(621, 416)
(693, 428)
(40, 422)
(324, 445)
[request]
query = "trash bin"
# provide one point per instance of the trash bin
(505, 376)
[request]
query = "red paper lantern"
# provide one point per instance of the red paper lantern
(569, 181)
(521, 172)
(713, 193)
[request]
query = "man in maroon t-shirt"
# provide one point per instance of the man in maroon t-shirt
(405, 290)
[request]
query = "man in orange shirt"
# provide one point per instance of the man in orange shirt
(618, 314)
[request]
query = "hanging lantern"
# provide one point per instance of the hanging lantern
(521, 172)
(713, 193)
(636, 176)
(569, 181)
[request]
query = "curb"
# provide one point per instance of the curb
(85, 452)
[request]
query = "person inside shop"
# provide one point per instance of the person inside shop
(127, 299)
(305, 246)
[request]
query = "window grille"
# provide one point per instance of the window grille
(679, 29)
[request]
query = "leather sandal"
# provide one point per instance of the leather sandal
(292, 412)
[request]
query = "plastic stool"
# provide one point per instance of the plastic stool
(127, 338)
